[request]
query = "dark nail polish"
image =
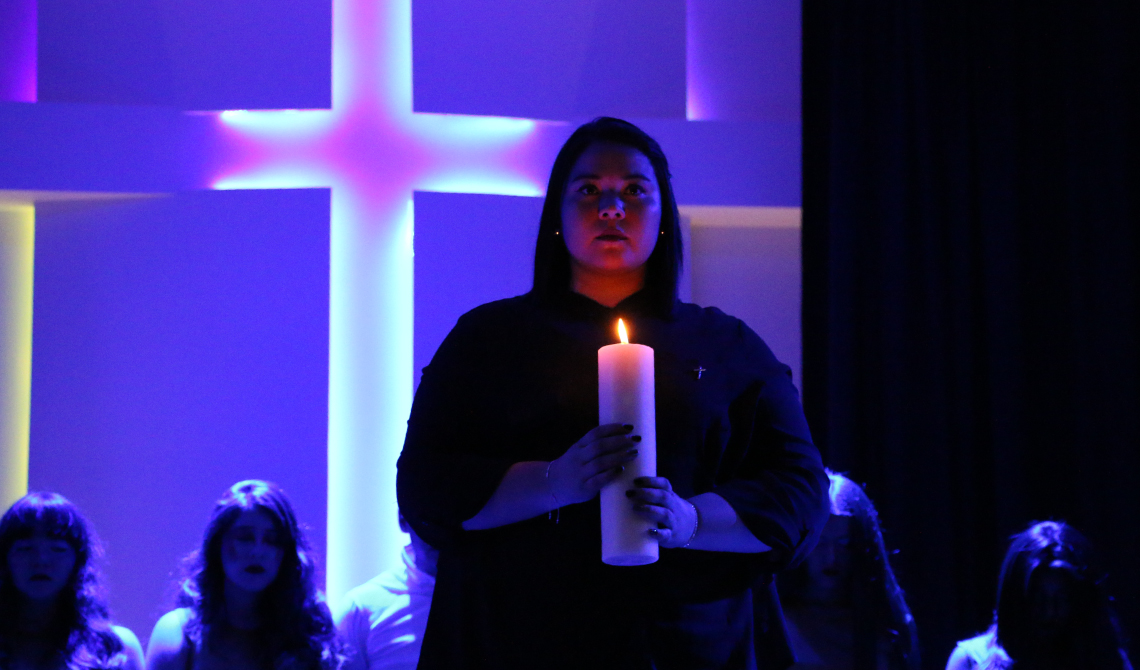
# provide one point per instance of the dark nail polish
(631, 452)
(640, 481)
(627, 427)
(630, 493)
(636, 438)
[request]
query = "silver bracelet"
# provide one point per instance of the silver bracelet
(696, 525)
(549, 487)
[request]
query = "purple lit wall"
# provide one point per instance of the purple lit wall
(491, 236)
(18, 51)
(401, 144)
(550, 60)
(188, 54)
(744, 61)
(180, 346)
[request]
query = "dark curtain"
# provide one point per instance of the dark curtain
(971, 193)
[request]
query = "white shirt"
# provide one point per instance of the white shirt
(382, 621)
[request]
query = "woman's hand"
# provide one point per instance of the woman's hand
(528, 487)
(676, 517)
(591, 463)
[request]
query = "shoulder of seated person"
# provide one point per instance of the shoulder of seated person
(959, 659)
(131, 646)
(347, 608)
(370, 602)
(176, 618)
(168, 637)
(126, 636)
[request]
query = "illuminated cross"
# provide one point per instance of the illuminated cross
(373, 152)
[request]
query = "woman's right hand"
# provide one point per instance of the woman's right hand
(591, 463)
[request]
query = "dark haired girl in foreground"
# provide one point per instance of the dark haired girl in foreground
(52, 612)
(845, 608)
(1052, 609)
(504, 431)
(251, 599)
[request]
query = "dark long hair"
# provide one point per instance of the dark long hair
(878, 604)
(296, 626)
(82, 632)
(877, 600)
(1089, 636)
(552, 260)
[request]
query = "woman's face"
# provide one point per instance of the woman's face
(252, 551)
(611, 211)
(41, 566)
(1049, 598)
(829, 564)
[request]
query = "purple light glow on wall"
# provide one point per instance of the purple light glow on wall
(373, 151)
(18, 51)
(696, 108)
(743, 61)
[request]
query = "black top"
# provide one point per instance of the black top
(517, 380)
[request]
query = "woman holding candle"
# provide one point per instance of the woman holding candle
(504, 460)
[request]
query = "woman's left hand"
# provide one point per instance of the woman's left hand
(676, 517)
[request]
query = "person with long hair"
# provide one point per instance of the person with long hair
(250, 599)
(504, 458)
(1053, 611)
(844, 606)
(53, 613)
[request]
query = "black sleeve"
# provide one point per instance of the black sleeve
(779, 489)
(446, 471)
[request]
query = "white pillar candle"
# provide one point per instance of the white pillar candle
(626, 395)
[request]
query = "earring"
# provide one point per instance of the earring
(662, 232)
(556, 232)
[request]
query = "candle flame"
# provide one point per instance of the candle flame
(621, 332)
